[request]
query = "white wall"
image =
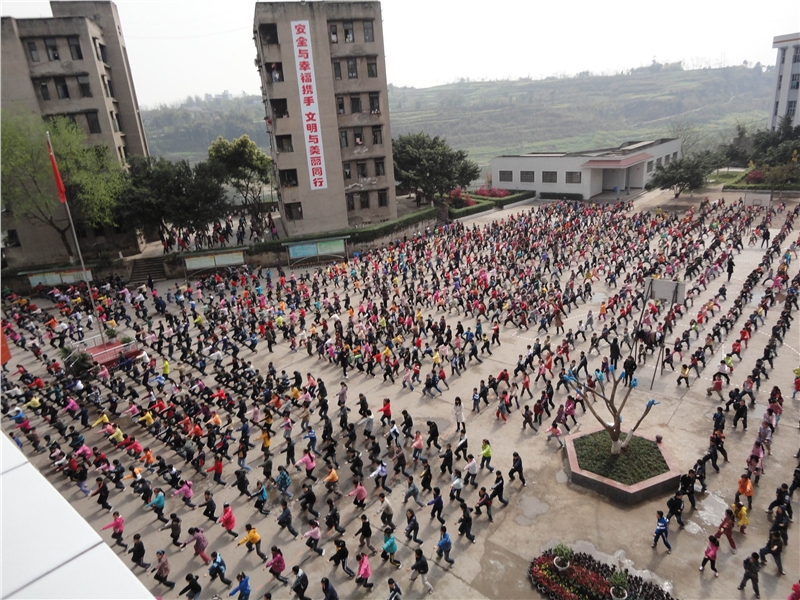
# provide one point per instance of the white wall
(559, 164)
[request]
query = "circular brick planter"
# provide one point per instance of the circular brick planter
(666, 483)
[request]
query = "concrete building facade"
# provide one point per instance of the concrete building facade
(324, 87)
(74, 64)
(589, 173)
(787, 79)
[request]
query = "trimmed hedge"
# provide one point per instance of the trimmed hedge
(502, 202)
(557, 196)
(364, 234)
(765, 187)
(479, 207)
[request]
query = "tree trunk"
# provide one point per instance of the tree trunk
(616, 447)
(65, 240)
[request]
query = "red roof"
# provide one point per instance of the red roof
(616, 163)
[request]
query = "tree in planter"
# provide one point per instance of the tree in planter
(688, 173)
(563, 554)
(614, 428)
(246, 168)
(92, 176)
(619, 584)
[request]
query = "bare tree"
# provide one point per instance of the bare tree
(693, 137)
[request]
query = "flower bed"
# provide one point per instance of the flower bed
(586, 579)
(641, 460)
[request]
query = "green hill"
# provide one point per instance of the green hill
(504, 117)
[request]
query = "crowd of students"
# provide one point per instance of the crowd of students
(196, 405)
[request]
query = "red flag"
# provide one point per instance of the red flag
(62, 192)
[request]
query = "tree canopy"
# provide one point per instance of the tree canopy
(245, 167)
(92, 176)
(429, 164)
(688, 173)
(161, 192)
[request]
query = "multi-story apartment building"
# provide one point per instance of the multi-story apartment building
(787, 79)
(323, 80)
(74, 64)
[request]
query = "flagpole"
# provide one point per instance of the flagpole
(77, 244)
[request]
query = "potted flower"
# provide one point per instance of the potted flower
(111, 333)
(563, 556)
(619, 585)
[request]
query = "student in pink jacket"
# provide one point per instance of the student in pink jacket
(185, 491)
(360, 493)
(711, 554)
(364, 571)
(308, 461)
(118, 525)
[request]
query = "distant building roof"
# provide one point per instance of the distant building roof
(621, 152)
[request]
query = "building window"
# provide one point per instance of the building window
(334, 34)
(380, 167)
(75, 48)
(796, 57)
(279, 108)
(549, 177)
(674, 156)
(783, 55)
(377, 135)
(109, 88)
(33, 51)
(10, 238)
(352, 68)
(52, 48)
(93, 122)
(358, 136)
(372, 69)
(780, 81)
(288, 177)
(269, 33)
(795, 81)
(776, 110)
(364, 200)
(114, 124)
(383, 199)
(61, 88)
(340, 104)
(790, 107)
(573, 177)
(527, 176)
(355, 104)
(103, 54)
(351, 202)
(337, 70)
(294, 211)
(666, 160)
(375, 103)
(362, 170)
(284, 143)
(343, 138)
(658, 162)
(349, 36)
(44, 90)
(369, 33)
(83, 84)
(347, 173)
(506, 176)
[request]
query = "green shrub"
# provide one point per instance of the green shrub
(641, 460)
(557, 196)
(563, 552)
(619, 580)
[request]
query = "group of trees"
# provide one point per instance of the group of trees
(149, 195)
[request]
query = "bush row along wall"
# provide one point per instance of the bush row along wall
(516, 196)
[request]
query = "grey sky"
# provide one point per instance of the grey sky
(179, 48)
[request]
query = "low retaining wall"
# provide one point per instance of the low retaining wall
(664, 484)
